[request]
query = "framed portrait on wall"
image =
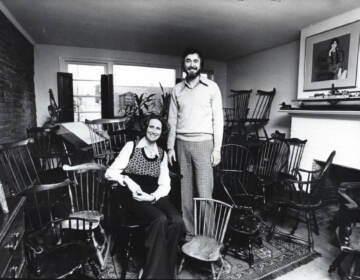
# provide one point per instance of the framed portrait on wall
(331, 57)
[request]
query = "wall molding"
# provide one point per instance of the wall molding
(14, 21)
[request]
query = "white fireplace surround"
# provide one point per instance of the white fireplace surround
(326, 133)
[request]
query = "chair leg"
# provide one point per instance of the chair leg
(337, 262)
(251, 255)
(316, 226)
(292, 232)
(310, 236)
(102, 251)
(273, 225)
(213, 272)
(181, 265)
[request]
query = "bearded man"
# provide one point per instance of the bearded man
(196, 123)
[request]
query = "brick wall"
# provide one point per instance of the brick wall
(17, 98)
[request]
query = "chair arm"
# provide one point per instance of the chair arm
(113, 184)
(84, 166)
(45, 187)
(308, 171)
(350, 203)
(350, 185)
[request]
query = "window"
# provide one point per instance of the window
(87, 90)
(130, 80)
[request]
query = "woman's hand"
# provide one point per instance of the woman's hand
(143, 196)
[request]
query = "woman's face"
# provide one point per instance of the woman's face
(153, 131)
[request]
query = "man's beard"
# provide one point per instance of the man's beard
(190, 75)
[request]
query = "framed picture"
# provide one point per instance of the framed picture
(331, 57)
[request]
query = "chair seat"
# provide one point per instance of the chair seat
(296, 199)
(93, 217)
(202, 248)
(63, 260)
(244, 223)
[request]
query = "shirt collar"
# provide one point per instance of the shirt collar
(142, 144)
(202, 80)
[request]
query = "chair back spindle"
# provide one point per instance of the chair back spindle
(211, 218)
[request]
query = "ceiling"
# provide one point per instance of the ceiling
(222, 29)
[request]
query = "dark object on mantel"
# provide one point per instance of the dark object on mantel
(329, 102)
(284, 106)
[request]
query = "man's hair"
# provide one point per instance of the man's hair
(191, 50)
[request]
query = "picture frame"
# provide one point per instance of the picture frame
(331, 57)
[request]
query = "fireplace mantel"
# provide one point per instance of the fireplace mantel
(332, 113)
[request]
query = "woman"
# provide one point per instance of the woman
(143, 167)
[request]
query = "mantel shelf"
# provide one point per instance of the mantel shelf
(353, 114)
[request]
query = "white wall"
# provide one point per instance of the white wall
(276, 67)
(49, 60)
(319, 27)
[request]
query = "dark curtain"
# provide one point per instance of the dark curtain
(65, 96)
(107, 96)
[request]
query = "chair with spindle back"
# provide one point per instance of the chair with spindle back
(18, 171)
(260, 114)
(107, 136)
(211, 219)
(87, 193)
(235, 179)
(302, 195)
(271, 159)
(52, 250)
(235, 115)
(49, 153)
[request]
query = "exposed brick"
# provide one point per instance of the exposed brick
(17, 97)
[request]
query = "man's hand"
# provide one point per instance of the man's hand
(215, 158)
(171, 156)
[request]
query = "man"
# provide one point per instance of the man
(196, 122)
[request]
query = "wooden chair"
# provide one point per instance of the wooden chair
(18, 170)
(211, 219)
(107, 136)
(52, 250)
(272, 156)
(49, 153)
(234, 173)
(259, 116)
(237, 113)
(303, 196)
(87, 196)
(348, 231)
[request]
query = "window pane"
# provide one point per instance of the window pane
(138, 80)
(86, 72)
(89, 116)
(86, 88)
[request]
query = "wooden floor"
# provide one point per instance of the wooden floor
(316, 269)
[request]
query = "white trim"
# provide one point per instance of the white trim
(350, 114)
(112, 61)
(13, 20)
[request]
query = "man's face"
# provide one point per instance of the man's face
(192, 65)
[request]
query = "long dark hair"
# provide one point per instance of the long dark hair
(164, 131)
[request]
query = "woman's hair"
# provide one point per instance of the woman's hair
(152, 116)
